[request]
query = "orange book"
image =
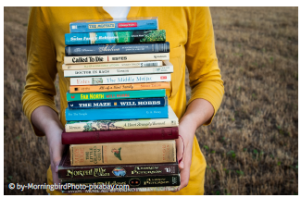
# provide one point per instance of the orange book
(118, 87)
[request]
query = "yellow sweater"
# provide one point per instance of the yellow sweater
(190, 33)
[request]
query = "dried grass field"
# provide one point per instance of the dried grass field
(252, 145)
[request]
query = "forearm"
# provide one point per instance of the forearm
(46, 120)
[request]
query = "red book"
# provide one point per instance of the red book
(121, 135)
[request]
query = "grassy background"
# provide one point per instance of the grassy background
(252, 145)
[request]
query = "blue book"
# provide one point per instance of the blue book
(100, 104)
(114, 25)
(116, 113)
(109, 49)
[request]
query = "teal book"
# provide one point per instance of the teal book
(117, 113)
(115, 95)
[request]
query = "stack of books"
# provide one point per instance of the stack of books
(120, 128)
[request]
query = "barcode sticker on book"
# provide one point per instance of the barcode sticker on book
(149, 64)
(74, 27)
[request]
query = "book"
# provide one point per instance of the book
(116, 113)
(116, 58)
(134, 36)
(130, 135)
(105, 125)
(119, 103)
(114, 25)
(73, 173)
(118, 87)
(121, 79)
(109, 49)
(113, 65)
(118, 71)
(115, 95)
(125, 189)
(163, 151)
(136, 182)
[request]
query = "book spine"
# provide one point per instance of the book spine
(119, 71)
(116, 113)
(113, 65)
(105, 171)
(123, 136)
(113, 189)
(109, 49)
(121, 79)
(116, 95)
(144, 152)
(118, 87)
(105, 26)
(136, 36)
(116, 58)
(133, 182)
(126, 103)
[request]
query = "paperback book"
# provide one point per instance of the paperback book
(114, 25)
(121, 79)
(112, 189)
(116, 113)
(135, 36)
(105, 125)
(115, 58)
(115, 95)
(119, 103)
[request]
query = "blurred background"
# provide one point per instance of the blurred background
(252, 145)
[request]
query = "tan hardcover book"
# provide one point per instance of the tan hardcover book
(118, 87)
(139, 152)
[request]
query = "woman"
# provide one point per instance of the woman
(190, 33)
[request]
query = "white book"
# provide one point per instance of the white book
(121, 79)
(105, 125)
(115, 58)
(113, 65)
(119, 71)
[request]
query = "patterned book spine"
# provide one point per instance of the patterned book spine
(116, 95)
(144, 152)
(109, 49)
(107, 125)
(126, 103)
(116, 58)
(126, 189)
(120, 25)
(133, 182)
(137, 36)
(113, 65)
(118, 87)
(119, 71)
(131, 135)
(67, 172)
(116, 113)
(121, 79)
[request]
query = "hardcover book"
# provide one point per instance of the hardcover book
(116, 113)
(136, 36)
(113, 65)
(130, 135)
(118, 103)
(143, 152)
(109, 49)
(73, 173)
(115, 58)
(121, 79)
(112, 189)
(115, 25)
(136, 182)
(118, 71)
(118, 87)
(105, 125)
(115, 95)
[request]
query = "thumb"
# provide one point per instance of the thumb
(180, 154)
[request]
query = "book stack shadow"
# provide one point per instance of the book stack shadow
(120, 129)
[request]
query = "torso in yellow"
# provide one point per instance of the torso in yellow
(190, 33)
